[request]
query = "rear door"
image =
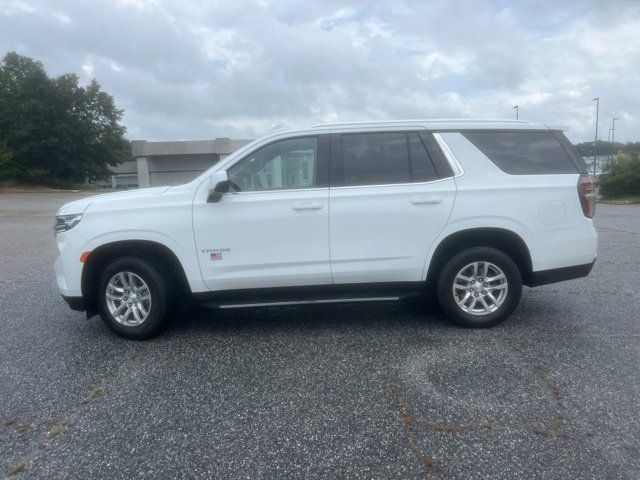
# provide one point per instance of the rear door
(391, 194)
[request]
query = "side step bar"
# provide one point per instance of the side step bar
(311, 302)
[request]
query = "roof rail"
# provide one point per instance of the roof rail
(418, 120)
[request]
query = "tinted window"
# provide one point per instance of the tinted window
(281, 165)
(386, 158)
(437, 157)
(422, 169)
(571, 149)
(375, 158)
(522, 153)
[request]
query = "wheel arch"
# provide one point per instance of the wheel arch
(500, 238)
(155, 253)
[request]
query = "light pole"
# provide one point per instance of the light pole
(609, 147)
(613, 135)
(516, 107)
(595, 143)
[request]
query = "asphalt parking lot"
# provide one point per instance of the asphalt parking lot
(379, 391)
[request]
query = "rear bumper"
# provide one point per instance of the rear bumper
(555, 275)
(75, 303)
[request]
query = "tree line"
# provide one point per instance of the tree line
(588, 149)
(621, 177)
(54, 131)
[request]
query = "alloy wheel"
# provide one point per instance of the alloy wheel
(480, 288)
(128, 299)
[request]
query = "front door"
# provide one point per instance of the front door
(272, 230)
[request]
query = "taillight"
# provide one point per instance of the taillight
(587, 195)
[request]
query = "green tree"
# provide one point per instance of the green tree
(8, 168)
(56, 130)
(622, 177)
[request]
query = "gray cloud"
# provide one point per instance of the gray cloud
(188, 69)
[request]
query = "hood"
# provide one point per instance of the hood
(79, 206)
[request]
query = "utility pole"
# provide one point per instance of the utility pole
(609, 147)
(613, 136)
(516, 109)
(595, 143)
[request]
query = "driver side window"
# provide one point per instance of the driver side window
(286, 164)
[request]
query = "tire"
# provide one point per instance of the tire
(471, 306)
(149, 306)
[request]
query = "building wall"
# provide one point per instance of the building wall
(123, 176)
(125, 168)
(176, 169)
(169, 163)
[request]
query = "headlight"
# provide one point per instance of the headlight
(66, 222)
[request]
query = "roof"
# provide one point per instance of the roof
(436, 124)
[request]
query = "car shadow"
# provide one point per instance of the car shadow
(194, 318)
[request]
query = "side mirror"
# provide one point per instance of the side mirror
(220, 184)
(218, 191)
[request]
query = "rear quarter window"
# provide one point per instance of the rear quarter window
(525, 153)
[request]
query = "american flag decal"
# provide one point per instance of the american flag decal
(216, 256)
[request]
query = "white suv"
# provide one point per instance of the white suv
(468, 211)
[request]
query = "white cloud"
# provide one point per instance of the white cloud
(17, 7)
(114, 66)
(138, 4)
(87, 68)
(438, 64)
(196, 69)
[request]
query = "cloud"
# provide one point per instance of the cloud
(192, 70)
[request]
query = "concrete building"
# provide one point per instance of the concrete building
(124, 175)
(169, 163)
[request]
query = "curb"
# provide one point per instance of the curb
(620, 202)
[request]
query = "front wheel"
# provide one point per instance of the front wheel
(135, 300)
(479, 287)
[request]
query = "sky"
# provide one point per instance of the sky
(187, 70)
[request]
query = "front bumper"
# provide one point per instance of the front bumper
(68, 266)
(75, 303)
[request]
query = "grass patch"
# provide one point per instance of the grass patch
(94, 393)
(16, 468)
(621, 200)
(58, 428)
(22, 428)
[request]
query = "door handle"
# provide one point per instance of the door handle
(426, 200)
(306, 206)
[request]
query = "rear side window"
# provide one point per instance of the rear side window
(442, 164)
(422, 169)
(524, 153)
(385, 158)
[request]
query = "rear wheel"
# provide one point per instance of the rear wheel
(135, 300)
(479, 287)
